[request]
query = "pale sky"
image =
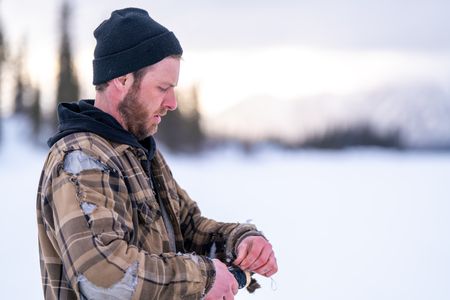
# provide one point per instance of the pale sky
(236, 50)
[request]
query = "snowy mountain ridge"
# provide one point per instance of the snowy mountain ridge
(421, 114)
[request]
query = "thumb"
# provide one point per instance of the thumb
(235, 287)
(241, 252)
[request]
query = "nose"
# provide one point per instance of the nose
(170, 100)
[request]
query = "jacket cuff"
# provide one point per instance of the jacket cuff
(236, 236)
(208, 272)
(245, 235)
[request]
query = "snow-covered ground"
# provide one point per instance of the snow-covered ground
(363, 224)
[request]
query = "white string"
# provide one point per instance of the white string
(273, 284)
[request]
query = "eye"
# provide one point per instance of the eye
(162, 89)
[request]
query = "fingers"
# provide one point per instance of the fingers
(248, 252)
(242, 252)
(225, 285)
(256, 255)
(270, 268)
(229, 296)
(263, 258)
(235, 288)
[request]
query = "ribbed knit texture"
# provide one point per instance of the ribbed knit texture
(128, 41)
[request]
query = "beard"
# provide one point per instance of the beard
(135, 115)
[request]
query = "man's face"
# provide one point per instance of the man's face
(149, 100)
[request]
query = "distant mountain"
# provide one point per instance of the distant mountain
(421, 115)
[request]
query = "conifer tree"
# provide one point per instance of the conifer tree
(20, 88)
(35, 112)
(181, 129)
(68, 87)
(171, 130)
(195, 133)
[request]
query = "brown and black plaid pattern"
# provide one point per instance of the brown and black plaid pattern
(125, 227)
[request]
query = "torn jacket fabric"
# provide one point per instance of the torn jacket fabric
(100, 225)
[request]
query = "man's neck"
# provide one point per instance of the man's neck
(109, 106)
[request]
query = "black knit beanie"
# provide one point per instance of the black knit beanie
(128, 41)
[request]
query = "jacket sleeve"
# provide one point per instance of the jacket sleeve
(88, 219)
(209, 237)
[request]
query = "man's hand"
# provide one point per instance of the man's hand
(254, 253)
(225, 285)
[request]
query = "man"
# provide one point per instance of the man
(112, 221)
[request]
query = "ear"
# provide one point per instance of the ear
(123, 83)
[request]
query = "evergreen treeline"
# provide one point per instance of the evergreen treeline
(180, 131)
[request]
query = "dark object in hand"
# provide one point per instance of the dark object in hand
(244, 279)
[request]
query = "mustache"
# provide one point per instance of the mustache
(162, 112)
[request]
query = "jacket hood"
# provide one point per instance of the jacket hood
(83, 116)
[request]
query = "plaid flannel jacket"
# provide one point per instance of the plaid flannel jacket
(100, 228)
